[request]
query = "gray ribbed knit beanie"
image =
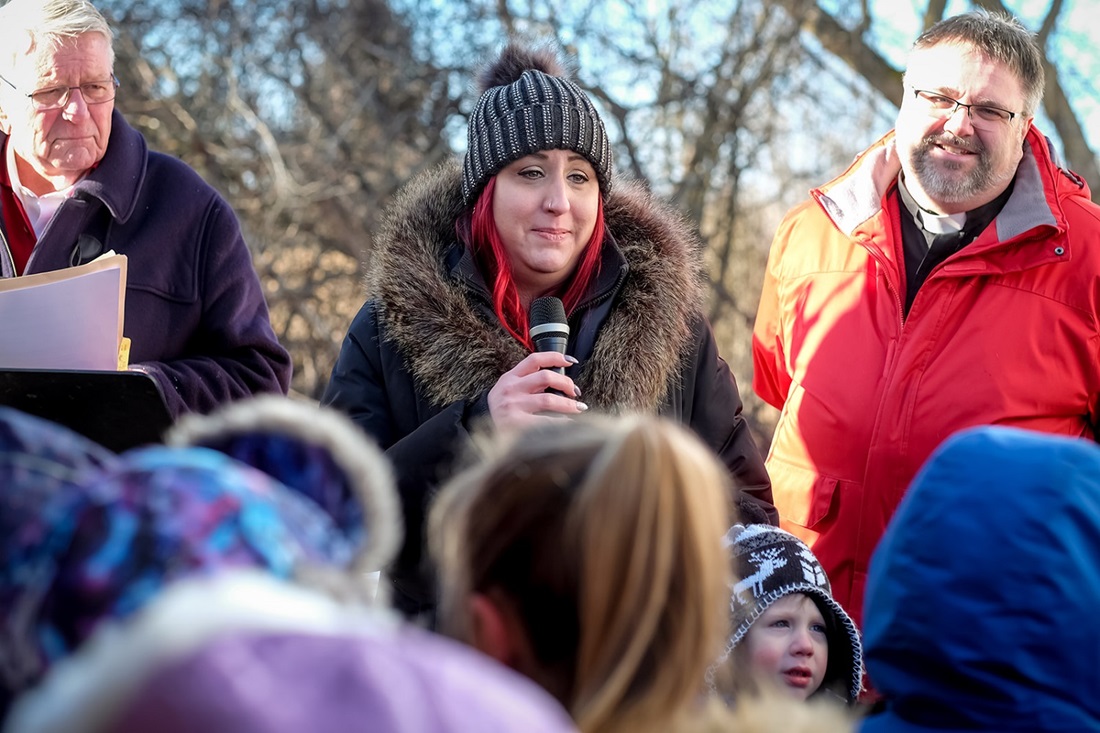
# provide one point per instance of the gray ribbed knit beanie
(528, 104)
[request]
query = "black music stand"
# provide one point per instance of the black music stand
(119, 410)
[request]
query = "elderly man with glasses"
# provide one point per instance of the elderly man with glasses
(77, 181)
(947, 279)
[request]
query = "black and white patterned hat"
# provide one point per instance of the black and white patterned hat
(529, 105)
(772, 563)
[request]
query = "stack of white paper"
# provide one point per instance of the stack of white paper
(67, 319)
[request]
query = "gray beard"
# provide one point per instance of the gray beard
(935, 176)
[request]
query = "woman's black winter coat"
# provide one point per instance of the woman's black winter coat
(419, 359)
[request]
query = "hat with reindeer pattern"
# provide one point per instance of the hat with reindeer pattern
(771, 563)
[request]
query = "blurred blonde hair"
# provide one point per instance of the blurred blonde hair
(604, 535)
(770, 710)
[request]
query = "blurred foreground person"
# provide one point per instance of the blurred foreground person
(444, 341)
(587, 555)
(982, 597)
(217, 584)
(248, 653)
(76, 181)
(88, 537)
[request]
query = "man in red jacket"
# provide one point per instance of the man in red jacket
(948, 278)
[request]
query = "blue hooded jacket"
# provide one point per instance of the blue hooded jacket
(982, 598)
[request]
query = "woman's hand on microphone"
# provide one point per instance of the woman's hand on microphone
(520, 396)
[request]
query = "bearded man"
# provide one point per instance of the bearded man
(947, 279)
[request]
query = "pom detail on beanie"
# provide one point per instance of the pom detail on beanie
(516, 59)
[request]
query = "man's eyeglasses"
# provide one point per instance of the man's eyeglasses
(94, 92)
(982, 116)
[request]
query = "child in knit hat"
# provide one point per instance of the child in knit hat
(787, 629)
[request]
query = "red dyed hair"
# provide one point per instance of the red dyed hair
(492, 257)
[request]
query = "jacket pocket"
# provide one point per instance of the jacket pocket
(802, 496)
(159, 283)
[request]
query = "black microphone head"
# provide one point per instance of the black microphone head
(549, 328)
(546, 309)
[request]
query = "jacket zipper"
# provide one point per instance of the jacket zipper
(876, 255)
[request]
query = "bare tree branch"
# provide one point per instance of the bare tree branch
(848, 47)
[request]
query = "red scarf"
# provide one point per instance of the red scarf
(17, 227)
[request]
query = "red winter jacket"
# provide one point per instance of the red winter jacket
(1003, 332)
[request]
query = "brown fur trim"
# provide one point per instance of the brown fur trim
(454, 353)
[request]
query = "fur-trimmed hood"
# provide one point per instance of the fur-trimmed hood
(454, 352)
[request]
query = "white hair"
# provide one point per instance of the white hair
(30, 26)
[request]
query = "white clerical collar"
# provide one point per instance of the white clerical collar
(40, 209)
(930, 221)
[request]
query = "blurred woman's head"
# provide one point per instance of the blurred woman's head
(588, 555)
(537, 170)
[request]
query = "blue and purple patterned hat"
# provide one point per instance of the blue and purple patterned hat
(87, 536)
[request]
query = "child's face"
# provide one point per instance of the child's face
(787, 644)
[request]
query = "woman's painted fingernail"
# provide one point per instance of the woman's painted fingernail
(576, 391)
(581, 406)
(571, 360)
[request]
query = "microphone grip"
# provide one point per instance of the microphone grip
(552, 343)
(549, 329)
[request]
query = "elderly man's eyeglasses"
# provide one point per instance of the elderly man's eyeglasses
(982, 116)
(94, 92)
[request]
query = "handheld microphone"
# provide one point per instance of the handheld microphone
(549, 327)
